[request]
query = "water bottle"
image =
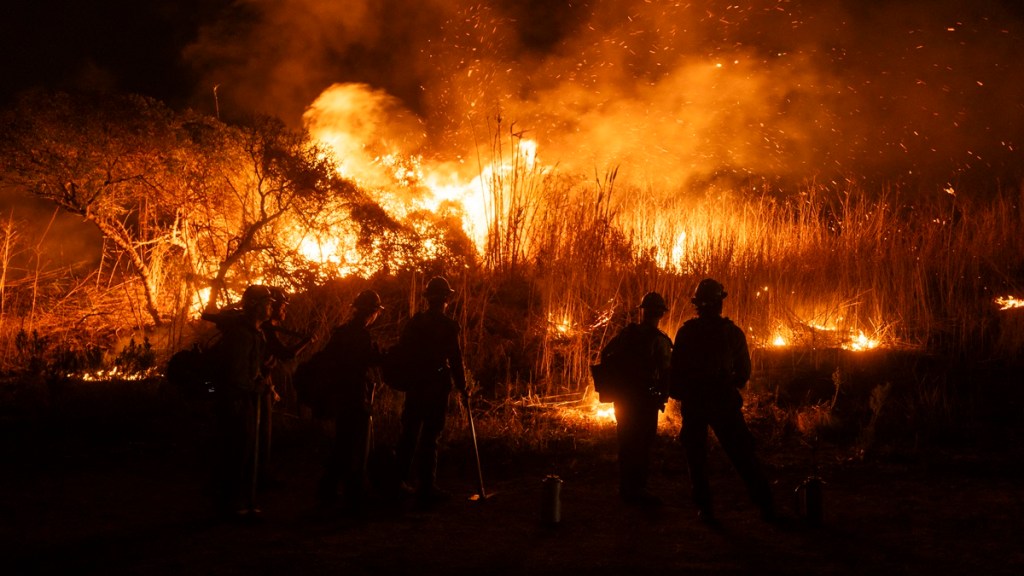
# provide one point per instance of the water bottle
(551, 510)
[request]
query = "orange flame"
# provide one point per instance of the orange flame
(1009, 302)
(370, 147)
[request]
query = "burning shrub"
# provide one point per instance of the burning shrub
(39, 356)
(136, 358)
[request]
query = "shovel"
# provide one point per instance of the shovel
(482, 494)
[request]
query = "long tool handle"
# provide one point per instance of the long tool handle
(370, 440)
(476, 449)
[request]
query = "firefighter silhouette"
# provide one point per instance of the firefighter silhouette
(710, 364)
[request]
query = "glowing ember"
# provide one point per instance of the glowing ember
(561, 326)
(1008, 302)
(115, 373)
(861, 342)
(605, 412)
(199, 299)
(677, 252)
(319, 250)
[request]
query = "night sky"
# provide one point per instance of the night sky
(117, 45)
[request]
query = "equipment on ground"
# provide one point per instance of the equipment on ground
(551, 507)
(482, 494)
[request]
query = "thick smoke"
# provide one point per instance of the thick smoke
(275, 57)
(923, 91)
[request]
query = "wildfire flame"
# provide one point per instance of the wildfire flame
(1009, 302)
(861, 342)
(605, 412)
(854, 340)
(561, 326)
(358, 124)
(673, 258)
(375, 143)
(115, 373)
(199, 299)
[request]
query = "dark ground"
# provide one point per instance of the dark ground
(101, 494)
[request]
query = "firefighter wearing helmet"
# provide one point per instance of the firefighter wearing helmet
(353, 353)
(710, 365)
(640, 356)
(239, 385)
(432, 338)
(283, 345)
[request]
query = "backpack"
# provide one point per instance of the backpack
(414, 356)
(612, 374)
(312, 381)
(606, 381)
(191, 371)
(398, 368)
(195, 370)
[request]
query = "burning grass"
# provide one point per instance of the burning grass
(549, 265)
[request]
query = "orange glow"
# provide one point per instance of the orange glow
(337, 250)
(861, 342)
(1009, 302)
(823, 327)
(115, 373)
(605, 412)
(561, 326)
(199, 299)
(369, 132)
(371, 144)
(377, 144)
(673, 258)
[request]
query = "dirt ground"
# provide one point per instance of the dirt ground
(80, 496)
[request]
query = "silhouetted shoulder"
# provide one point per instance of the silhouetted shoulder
(731, 326)
(698, 325)
(225, 320)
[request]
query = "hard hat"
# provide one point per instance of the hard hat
(709, 292)
(256, 294)
(367, 301)
(437, 287)
(655, 301)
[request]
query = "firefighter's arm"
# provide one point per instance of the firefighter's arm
(455, 364)
(742, 361)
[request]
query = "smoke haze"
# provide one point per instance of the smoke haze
(671, 92)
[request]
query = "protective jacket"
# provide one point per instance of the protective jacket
(239, 356)
(641, 356)
(353, 353)
(432, 339)
(710, 361)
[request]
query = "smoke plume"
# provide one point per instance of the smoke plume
(925, 91)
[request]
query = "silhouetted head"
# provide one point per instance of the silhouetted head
(653, 301)
(653, 306)
(438, 290)
(366, 305)
(708, 297)
(256, 301)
